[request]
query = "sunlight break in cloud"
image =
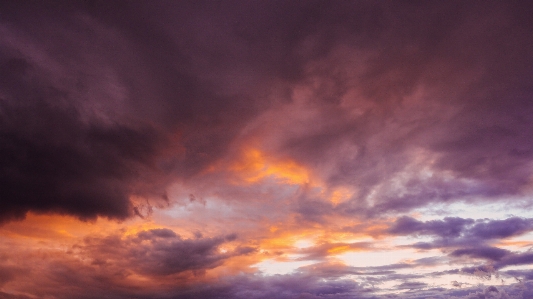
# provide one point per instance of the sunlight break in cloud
(266, 149)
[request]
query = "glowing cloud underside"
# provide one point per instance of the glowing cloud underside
(255, 150)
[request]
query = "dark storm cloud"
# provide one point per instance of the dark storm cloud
(194, 70)
(51, 161)
(97, 106)
(114, 73)
(60, 150)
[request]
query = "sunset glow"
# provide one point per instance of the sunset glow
(266, 149)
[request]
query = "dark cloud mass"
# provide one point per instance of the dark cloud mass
(82, 82)
(88, 107)
(340, 125)
(51, 162)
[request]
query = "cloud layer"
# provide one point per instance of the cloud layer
(270, 149)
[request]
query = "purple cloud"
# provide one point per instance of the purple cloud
(453, 231)
(119, 109)
(164, 254)
(490, 253)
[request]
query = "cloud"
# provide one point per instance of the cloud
(159, 252)
(81, 132)
(185, 84)
(497, 229)
(413, 285)
(11, 296)
(453, 231)
(490, 253)
(451, 227)
(298, 285)
(9, 273)
(358, 113)
(81, 169)
(323, 250)
(525, 258)
(520, 274)
(491, 292)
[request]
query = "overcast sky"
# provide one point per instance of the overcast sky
(266, 149)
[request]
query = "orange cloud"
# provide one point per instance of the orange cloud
(255, 165)
(47, 226)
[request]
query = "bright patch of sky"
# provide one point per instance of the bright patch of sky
(273, 267)
(475, 210)
(381, 258)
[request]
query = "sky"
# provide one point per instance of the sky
(266, 149)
